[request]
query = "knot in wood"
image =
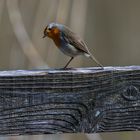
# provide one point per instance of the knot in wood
(131, 93)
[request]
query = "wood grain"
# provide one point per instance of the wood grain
(69, 101)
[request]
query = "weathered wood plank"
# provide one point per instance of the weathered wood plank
(74, 100)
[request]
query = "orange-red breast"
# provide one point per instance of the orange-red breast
(68, 42)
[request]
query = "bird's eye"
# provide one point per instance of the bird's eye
(49, 28)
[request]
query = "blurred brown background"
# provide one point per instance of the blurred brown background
(110, 28)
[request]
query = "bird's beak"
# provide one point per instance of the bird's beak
(44, 36)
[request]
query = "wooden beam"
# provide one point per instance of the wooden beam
(70, 101)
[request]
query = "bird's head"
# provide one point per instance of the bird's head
(52, 30)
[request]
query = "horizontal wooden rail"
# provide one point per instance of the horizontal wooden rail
(69, 101)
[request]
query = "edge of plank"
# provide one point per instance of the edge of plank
(38, 72)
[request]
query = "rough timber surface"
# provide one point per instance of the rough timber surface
(69, 101)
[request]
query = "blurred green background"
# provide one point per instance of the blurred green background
(110, 28)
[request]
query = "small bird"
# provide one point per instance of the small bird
(68, 42)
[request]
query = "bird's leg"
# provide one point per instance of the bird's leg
(68, 62)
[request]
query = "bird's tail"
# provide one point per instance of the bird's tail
(95, 60)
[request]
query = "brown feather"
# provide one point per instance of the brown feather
(74, 40)
(77, 42)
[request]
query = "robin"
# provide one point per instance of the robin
(68, 42)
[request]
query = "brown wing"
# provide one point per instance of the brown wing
(74, 40)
